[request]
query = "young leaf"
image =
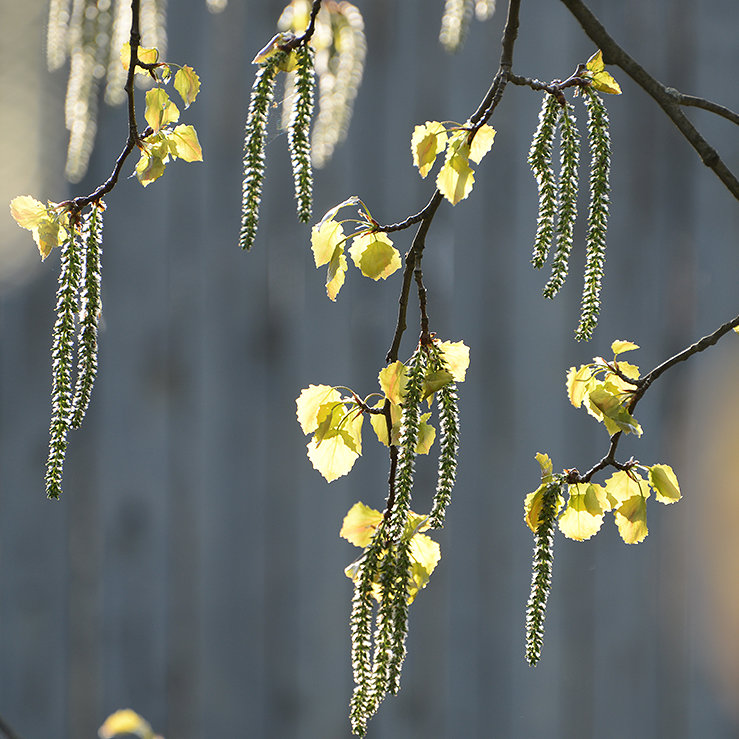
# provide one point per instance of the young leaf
(153, 161)
(309, 403)
(623, 485)
(393, 381)
(336, 273)
(456, 355)
(532, 506)
(631, 519)
(426, 435)
(579, 383)
(427, 142)
(622, 345)
(602, 81)
(324, 238)
(187, 83)
(184, 143)
(146, 56)
(425, 554)
(332, 457)
(125, 722)
(612, 409)
(546, 466)
(434, 381)
(583, 516)
(456, 177)
(160, 110)
(664, 482)
(482, 143)
(48, 226)
(379, 424)
(360, 524)
(375, 255)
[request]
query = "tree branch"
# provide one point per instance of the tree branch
(609, 460)
(6, 731)
(696, 102)
(614, 54)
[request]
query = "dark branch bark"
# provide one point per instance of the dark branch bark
(614, 54)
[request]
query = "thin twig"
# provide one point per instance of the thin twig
(609, 460)
(614, 54)
(695, 102)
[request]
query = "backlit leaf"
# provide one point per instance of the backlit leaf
(47, 224)
(426, 435)
(425, 554)
(272, 47)
(187, 83)
(579, 382)
(583, 515)
(146, 56)
(532, 506)
(160, 110)
(27, 211)
(332, 457)
(434, 381)
(631, 519)
(612, 409)
(482, 143)
(546, 466)
(154, 157)
(375, 255)
(602, 81)
(621, 345)
(664, 481)
(336, 273)
(455, 179)
(456, 358)
(125, 721)
(309, 402)
(360, 524)
(324, 238)
(379, 423)
(393, 380)
(427, 142)
(623, 485)
(184, 143)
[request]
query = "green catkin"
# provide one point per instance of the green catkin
(566, 200)
(298, 136)
(90, 307)
(254, 139)
(540, 161)
(595, 240)
(399, 606)
(62, 351)
(448, 445)
(541, 572)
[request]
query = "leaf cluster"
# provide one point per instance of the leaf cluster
(460, 144)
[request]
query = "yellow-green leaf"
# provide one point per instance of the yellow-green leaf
(48, 225)
(612, 409)
(393, 381)
(27, 211)
(482, 143)
(187, 83)
(184, 143)
(336, 273)
(427, 142)
(153, 160)
(375, 255)
(379, 423)
(123, 722)
(455, 179)
(426, 435)
(145, 56)
(434, 381)
(456, 356)
(309, 403)
(579, 382)
(160, 110)
(332, 457)
(602, 81)
(324, 238)
(664, 481)
(360, 524)
(533, 504)
(425, 554)
(583, 516)
(623, 485)
(631, 519)
(622, 345)
(546, 466)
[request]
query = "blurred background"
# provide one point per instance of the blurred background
(193, 570)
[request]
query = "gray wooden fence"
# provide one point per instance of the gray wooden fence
(193, 569)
